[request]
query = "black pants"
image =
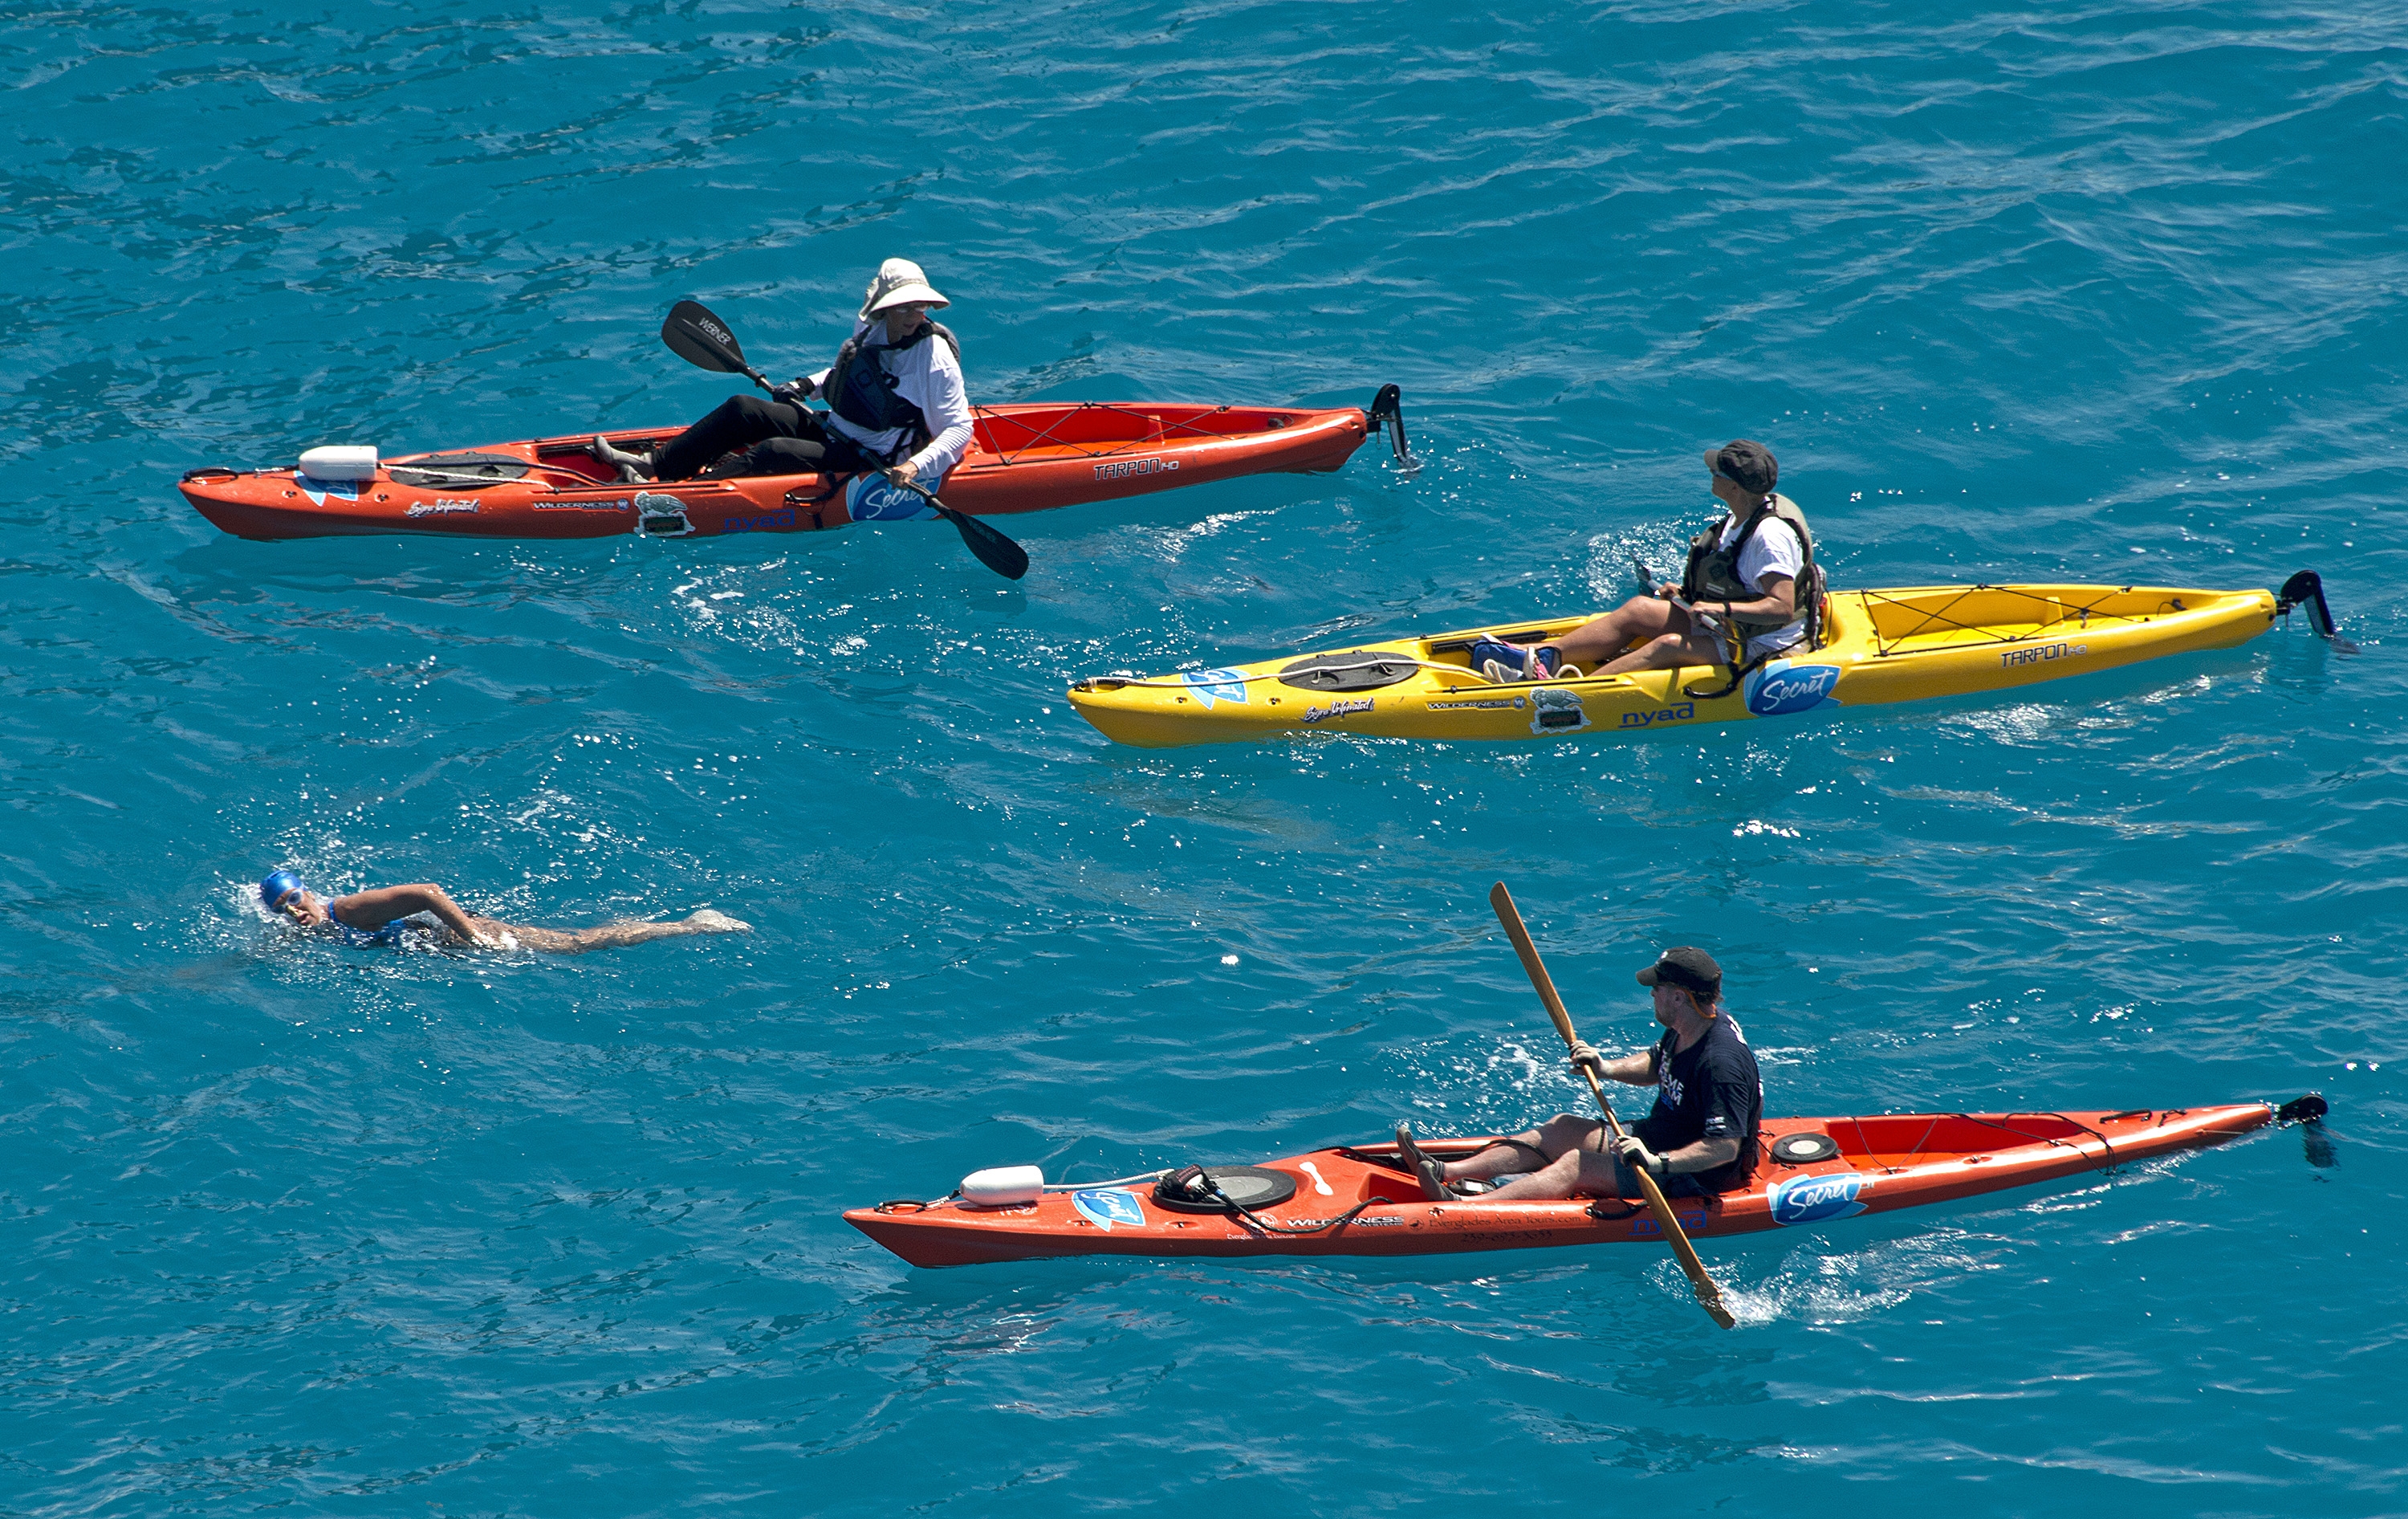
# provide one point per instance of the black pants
(769, 438)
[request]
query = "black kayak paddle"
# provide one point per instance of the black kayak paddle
(701, 339)
(995, 552)
(693, 334)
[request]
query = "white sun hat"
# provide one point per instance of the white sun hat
(898, 280)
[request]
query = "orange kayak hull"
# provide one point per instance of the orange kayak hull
(1881, 1164)
(1023, 458)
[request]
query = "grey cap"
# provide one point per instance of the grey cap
(1747, 463)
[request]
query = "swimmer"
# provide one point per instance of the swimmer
(376, 918)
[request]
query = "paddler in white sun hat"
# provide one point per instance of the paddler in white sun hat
(896, 396)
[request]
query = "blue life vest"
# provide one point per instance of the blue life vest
(860, 390)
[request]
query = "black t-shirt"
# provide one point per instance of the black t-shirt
(1706, 1091)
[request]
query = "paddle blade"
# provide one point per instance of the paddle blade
(995, 552)
(701, 339)
(1501, 902)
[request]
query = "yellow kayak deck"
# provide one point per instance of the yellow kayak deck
(1878, 646)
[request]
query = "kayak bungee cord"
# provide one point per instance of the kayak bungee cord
(1211, 1188)
(1382, 662)
(1036, 439)
(1884, 647)
(2106, 1163)
(1196, 1182)
(1050, 1186)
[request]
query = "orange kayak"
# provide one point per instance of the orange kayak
(1022, 458)
(1360, 1200)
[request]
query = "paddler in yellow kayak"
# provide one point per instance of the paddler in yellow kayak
(1751, 590)
(1699, 1138)
(896, 396)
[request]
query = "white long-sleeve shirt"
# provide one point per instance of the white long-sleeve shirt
(929, 377)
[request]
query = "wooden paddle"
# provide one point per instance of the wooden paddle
(1710, 1297)
(694, 334)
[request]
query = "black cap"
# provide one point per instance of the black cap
(1747, 463)
(1685, 967)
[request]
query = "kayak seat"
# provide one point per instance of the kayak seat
(1385, 1186)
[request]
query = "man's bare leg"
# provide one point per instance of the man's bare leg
(1571, 1147)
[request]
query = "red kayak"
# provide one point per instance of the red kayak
(1023, 458)
(1362, 1201)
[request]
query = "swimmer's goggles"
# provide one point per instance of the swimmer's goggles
(280, 887)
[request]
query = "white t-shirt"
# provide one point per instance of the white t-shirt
(928, 376)
(1773, 551)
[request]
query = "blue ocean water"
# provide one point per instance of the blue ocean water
(2107, 292)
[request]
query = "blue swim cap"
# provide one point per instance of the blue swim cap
(277, 887)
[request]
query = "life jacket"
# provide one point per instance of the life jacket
(860, 390)
(1713, 574)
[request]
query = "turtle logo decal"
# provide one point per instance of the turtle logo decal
(1554, 710)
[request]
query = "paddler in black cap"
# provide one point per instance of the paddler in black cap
(1751, 590)
(1699, 1139)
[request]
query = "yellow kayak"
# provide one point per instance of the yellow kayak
(1878, 646)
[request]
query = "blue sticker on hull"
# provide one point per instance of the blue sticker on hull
(1217, 685)
(1781, 689)
(318, 489)
(1813, 1200)
(1104, 1207)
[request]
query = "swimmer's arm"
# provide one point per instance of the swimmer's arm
(375, 909)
